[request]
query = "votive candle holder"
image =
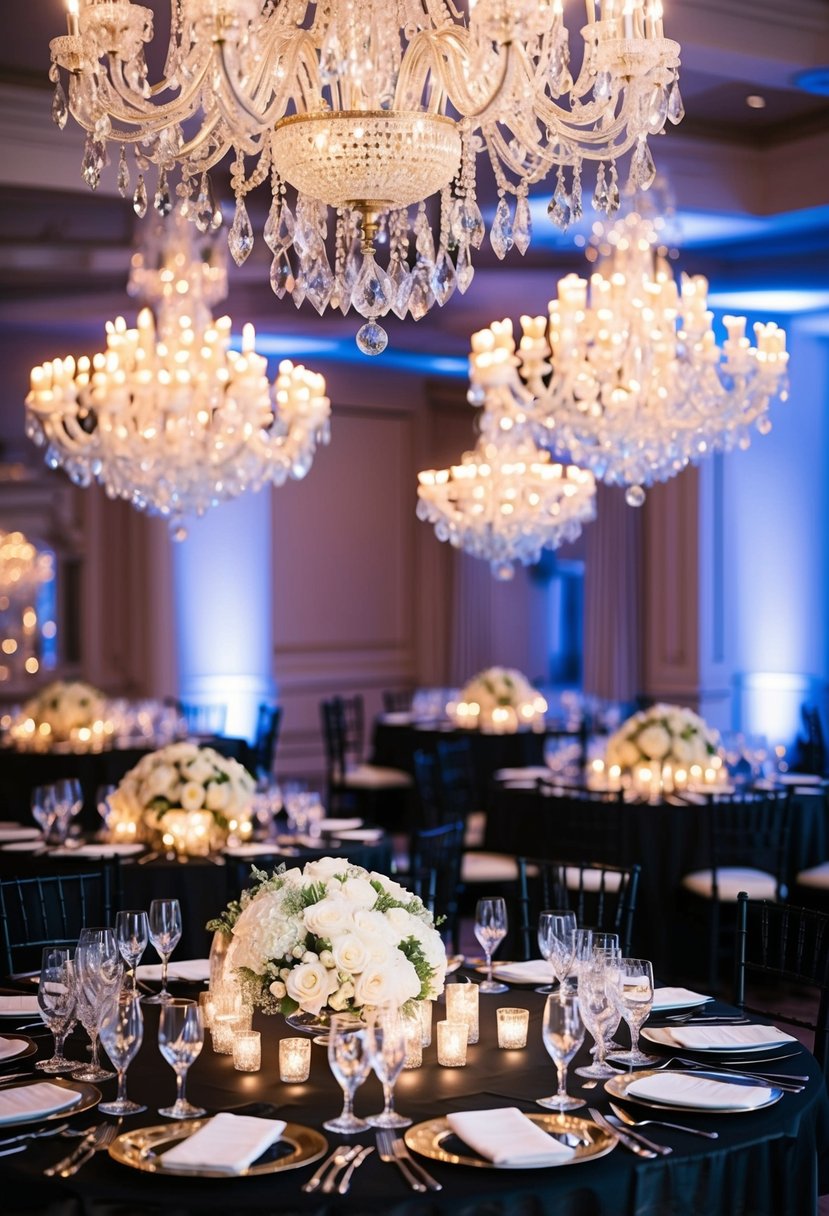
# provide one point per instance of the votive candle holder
(224, 1029)
(413, 1030)
(208, 1008)
(247, 1051)
(426, 1008)
(452, 1040)
(512, 1028)
(462, 1006)
(294, 1060)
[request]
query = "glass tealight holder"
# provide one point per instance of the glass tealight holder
(247, 1051)
(224, 1030)
(294, 1060)
(512, 1028)
(413, 1030)
(462, 1006)
(208, 1008)
(452, 1039)
(426, 1008)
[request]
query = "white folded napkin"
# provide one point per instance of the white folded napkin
(18, 1006)
(192, 970)
(535, 971)
(339, 825)
(16, 831)
(530, 772)
(507, 1137)
(679, 1089)
(229, 1143)
(11, 1047)
(677, 998)
(254, 848)
(24, 1102)
(368, 835)
(698, 1038)
(117, 849)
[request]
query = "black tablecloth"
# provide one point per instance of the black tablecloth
(765, 1163)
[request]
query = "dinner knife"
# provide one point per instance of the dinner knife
(623, 1137)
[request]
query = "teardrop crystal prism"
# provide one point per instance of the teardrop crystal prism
(139, 198)
(444, 280)
(240, 237)
(281, 276)
(60, 110)
(372, 294)
(522, 225)
(319, 284)
(421, 296)
(123, 179)
(401, 281)
(642, 168)
(162, 200)
(464, 269)
(676, 106)
(91, 165)
(500, 233)
(473, 223)
(372, 339)
(600, 193)
(657, 109)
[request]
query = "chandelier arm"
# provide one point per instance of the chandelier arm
(445, 52)
(301, 58)
(155, 117)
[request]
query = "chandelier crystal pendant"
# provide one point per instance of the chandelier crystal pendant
(369, 107)
(506, 500)
(625, 372)
(169, 417)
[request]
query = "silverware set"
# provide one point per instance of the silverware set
(95, 1141)
(789, 1082)
(392, 1149)
(337, 1170)
(637, 1144)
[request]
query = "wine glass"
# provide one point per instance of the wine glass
(44, 809)
(563, 1034)
(349, 1059)
(165, 934)
(386, 1042)
(102, 796)
(68, 803)
(180, 1040)
(132, 932)
(97, 977)
(122, 1030)
(633, 994)
(490, 930)
(582, 951)
(56, 998)
(599, 1014)
(555, 941)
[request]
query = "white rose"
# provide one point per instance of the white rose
(329, 917)
(278, 989)
(191, 796)
(359, 891)
(325, 868)
(391, 887)
(199, 769)
(160, 781)
(341, 998)
(350, 953)
(683, 751)
(655, 741)
(218, 796)
(310, 985)
(392, 983)
(376, 931)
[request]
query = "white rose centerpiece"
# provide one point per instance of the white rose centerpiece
(666, 741)
(329, 938)
(499, 700)
(65, 715)
(191, 797)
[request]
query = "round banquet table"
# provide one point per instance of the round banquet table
(770, 1162)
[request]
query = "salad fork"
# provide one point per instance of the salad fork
(628, 1119)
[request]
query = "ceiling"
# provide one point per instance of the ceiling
(749, 183)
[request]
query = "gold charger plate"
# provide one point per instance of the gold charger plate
(138, 1150)
(428, 1138)
(89, 1095)
(25, 1052)
(618, 1087)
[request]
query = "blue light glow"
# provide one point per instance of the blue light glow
(343, 350)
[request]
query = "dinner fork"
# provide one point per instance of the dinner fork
(627, 1118)
(385, 1146)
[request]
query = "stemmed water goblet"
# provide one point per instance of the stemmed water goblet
(68, 802)
(44, 809)
(97, 974)
(632, 992)
(132, 932)
(490, 930)
(599, 1013)
(102, 796)
(56, 998)
(122, 1030)
(165, 934)
(582, 952)
(386, 1042)
(555, 941)
(180, 1040)
(563, 1034)
(350, 1062)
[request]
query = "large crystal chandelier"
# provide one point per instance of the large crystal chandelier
(169, 417)
(625, 372)
(23, 569)
(369, 107)
(506, 500)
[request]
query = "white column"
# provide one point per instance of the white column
(224, 618)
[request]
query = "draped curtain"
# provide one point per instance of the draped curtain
(612, 598)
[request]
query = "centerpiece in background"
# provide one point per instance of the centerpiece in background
(66, 715)
(331, 938)
(499, 701)
(660, 749)
(185, 798)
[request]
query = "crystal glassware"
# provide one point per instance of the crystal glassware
(56, 998)
(180, 1040)
(122, 1031)
(68, 803)
(582, 952)
(490, 930)
(633, 995)
(102, 796)
(563, 1034)
(44, 809)
(97, 974)
(165, 934)
(350, 1062)
(132, 933)
(385, 1037)
(599, 1014)
(555, 941)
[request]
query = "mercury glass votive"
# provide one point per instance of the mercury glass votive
(512, 1028)
(247, 1051)
(208, 1008)
(224, 1030)
(413, 1030)
(426, 1008)
(294, 1060)
(462, 1006)
(452, 1039)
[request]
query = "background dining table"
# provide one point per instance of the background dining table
(768, 1162)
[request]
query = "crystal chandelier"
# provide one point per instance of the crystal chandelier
(168, 417)
(625, 373)
(23, 569)
(369, 107)
(506, 500)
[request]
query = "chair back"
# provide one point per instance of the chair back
(435, 870)
(751, 829)
(50, 911)
(203, 719)
(456, 779)
(263, 752)
(343, 728)
(779, 942)
(426, 783)
(602, 896)
(585, 823)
